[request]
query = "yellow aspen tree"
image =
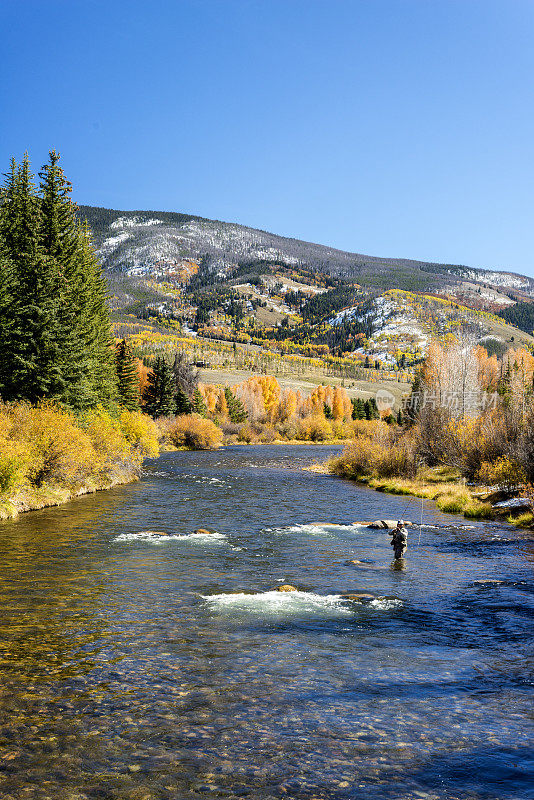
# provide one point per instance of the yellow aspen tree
(291, 406)
(347, 406)
(222, 406)
(338, 410)
(271, 392)
(211, 401)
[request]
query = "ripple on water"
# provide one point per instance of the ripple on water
(276, 604)
(153, 537)
(317, 529)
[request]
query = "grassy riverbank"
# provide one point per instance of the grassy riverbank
(442, 485)
(49, 455)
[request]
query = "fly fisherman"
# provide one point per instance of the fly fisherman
(399, 539)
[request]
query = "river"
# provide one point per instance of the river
(138, 667)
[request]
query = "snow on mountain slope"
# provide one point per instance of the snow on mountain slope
(150, 236)
(393, 321)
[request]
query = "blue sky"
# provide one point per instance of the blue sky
(387, 127)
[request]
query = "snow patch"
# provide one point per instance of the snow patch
(134, 222)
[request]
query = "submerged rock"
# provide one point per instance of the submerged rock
(286, 587)
(383, 524)
(203, 532)
(154, 533)
(358, 596)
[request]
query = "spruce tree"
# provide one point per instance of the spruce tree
(358, 408)
(94, 310)
(57, 341)
(30, 368)
(182, 403)
(58, 233)
(236, 409)
(159, 392)
(6, 317)
(87, 353)
(375, 413)
(127, 377)
(199, 406)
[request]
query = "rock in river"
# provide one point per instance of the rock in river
(383, 524)
(358, 596)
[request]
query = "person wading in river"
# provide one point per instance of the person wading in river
(399, 539)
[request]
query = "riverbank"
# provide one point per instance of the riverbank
(446, 489)
(49, 456)
(49, 496)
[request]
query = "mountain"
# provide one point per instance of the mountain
(132, 242)
(227, 281)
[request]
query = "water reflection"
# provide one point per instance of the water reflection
(130, 670)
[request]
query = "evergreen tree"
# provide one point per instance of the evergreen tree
(127, 377)
(413, 405)
(97, 332)
(358, 408)
(199, 406)
(159, 392)
(58, 341)
(30, 364)
(58, 235)
(236, 409)
(375, 414)
(182, 402)
(6, 316)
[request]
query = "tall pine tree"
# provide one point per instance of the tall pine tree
(86, 343)
(127, 375)
(30, 366)
(57, 338)
(159, 392)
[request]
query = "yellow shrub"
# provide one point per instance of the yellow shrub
(315, 429)
(141, 432)
(195, 433)
(342, 430)
(48, 444)
(504, 472)
(106, 435)
(246, 434)
(358, 460)
(13, 464)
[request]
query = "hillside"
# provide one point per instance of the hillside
(136, 240)
(225, 281)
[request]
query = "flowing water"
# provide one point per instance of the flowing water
(140, 666)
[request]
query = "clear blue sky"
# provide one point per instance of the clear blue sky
(388, 127)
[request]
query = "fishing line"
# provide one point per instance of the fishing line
(421, 522)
